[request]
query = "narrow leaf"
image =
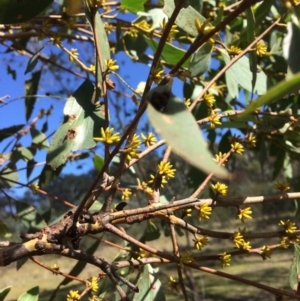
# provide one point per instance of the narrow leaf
(98, 162)
(33, 61)
(31, 88)
(10, 131)
(282, 89)
(4, 292)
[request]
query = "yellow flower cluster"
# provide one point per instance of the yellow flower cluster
(132, 151)
(237, 148)
(186, 257)
(165, 171)
(73, 296)
(157, 75)
(126, 194)
(265, 252)
(204, 211)
(111, 65)
(148, 140)
(289, 227)
(220, 188)
(214, 118)
(282, 186)
(239, 241)
(108, 137)
(244, 213)
(93, 284)
(220, 157)
(200, 242)
(225, 260)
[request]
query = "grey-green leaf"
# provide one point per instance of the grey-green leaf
(30, 295)
(83, 121)
(241, 73)
(200, 62)
(179, 128)
(4, 292)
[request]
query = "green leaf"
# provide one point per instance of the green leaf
(83, 121)
(21, 11)
(251, 25)
(3, 231)
(30, 295)
(4, 292)
(33, 61)
(291, 43)
(48, 175)
(196, 4)
(156, 14)
(31, 88)
(186, 17)
(151, 232)
(200, 62)
(39, 139)
(98, 162)
(6, 176)
(179, 128)
(231, 85)
(23, 153)
(295, 269)
(149, 285)
(241, 73)
(285, 87)
(10, 131)
(170, 53)
(263, 10)
(28, 215)
(133, 5)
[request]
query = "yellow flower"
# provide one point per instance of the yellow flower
(204, 211)
(126, 194)
(133, 32)
(143, 25)
(220, 157)
(265, 252)
(225, 260)
(200, 242)
(246, 245)
(157, 75)
(209, 99)
(73, 54)
(165, 169)
(244, 213)
(148, 140)
(174, 285)
(282, 186)
(34, 187)
(108, 137)
(186, 257)
(261, 48)
(214, 118)
(172, 32)
(56, 268)
(132, 151)
(238, 240)
(145, 187)
(187, 102)
(186, 212)
(285, 242)
(111, 65)
(251, 140)
(73, 296)
(163, 180)
(93, 284)
(220, 188)
(109, 28)
(237, 148)
(92, 68)
(288, 226)
(203, 28)
(233, 50)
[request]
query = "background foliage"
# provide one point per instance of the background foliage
(148, 129)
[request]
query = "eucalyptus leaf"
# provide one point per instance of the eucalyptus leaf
(200, 62)
(179, 128)
(31, 295)
(83, 121)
